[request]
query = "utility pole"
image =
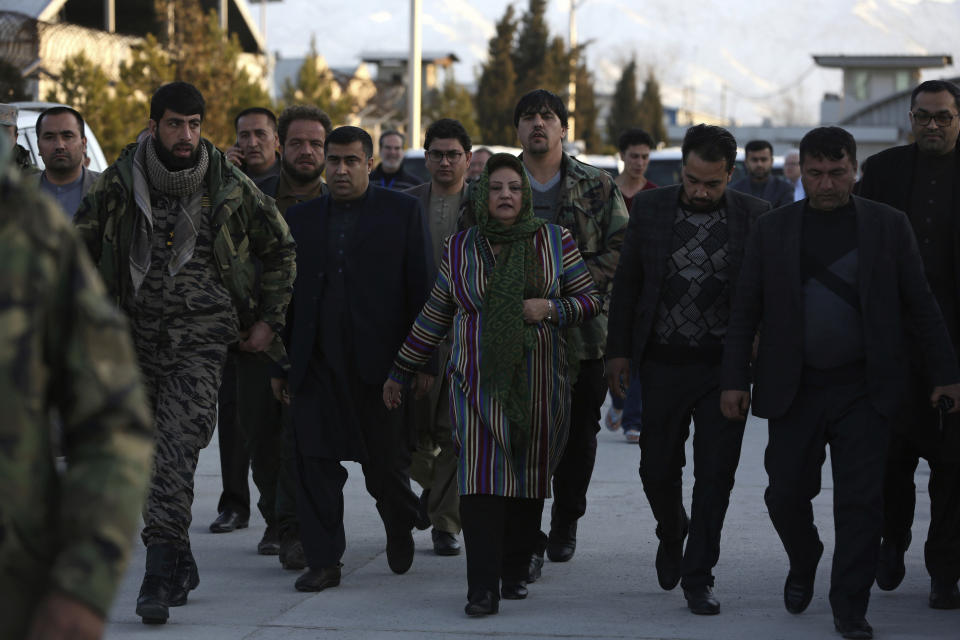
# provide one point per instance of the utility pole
(414, 67)
(110, 16)
(572, 83)
(224, 8)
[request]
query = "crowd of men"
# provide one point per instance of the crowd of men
(270, 301)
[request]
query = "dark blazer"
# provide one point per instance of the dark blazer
(893, 293)
(643, 262)
(387, 269)
(888, 178)
(777, 192)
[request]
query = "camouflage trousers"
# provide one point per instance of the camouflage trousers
(182, 385)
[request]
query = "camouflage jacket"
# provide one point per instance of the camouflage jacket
(65, 351)
(591, 207)
(246, 225)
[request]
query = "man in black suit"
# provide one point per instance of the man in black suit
(668, 315)
(363, 279)
(923, 180)
(834, 280)
(760, 181)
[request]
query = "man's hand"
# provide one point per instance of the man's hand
(618, 376)
(280, 390)
(422, 384)
(535, 310)
(951, 391)
(258, 338)
(60, 617)
(391, 393)
(734, 404)
(234, 155)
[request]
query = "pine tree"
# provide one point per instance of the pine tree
(452, 100)
(625, 111)
(317, 86)
(651, 109)
(587, 111)
(496, 95)
(530, 59)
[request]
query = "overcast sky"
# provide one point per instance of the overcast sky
(734, 59)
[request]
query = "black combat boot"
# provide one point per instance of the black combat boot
(154, 599)
(185, 578)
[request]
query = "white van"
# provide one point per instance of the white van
(27, 134)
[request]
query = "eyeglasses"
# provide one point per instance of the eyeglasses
(943, 119)
(438, 156)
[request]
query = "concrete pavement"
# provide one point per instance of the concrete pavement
(609, 589)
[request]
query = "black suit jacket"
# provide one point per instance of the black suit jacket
(888, 178)
(777, 192)
(893, 293)
(387, 279)
(643, 262)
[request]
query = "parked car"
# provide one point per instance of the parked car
(27, 134)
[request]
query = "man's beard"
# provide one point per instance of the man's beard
(172, 162)
(301, 177)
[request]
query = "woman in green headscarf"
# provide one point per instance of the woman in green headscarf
(507, 287)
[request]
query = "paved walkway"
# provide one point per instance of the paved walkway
(609, 589)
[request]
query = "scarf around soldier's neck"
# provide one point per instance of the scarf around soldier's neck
(505, 339)
(185, 188)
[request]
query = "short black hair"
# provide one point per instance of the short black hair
(56, 111)
(181, 97)
(757, 145)
(535, 101)
(936, 86)
(633, 137)
(391, 132)
(302, 112)
(711, 143)
(828, 143)
(446, 128)
(256, 110)
(348, 135)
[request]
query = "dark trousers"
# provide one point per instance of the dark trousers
(916, 435)
(499, 535)
(672, 394)
(842, 416)
(320, 484)
(571, 478)
(249, 429)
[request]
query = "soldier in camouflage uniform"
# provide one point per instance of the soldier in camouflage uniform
(65, 534)
(174, 227)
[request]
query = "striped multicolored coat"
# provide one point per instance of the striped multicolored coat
(481, 430)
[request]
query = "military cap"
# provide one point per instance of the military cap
(8, 115)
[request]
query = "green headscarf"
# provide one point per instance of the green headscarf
(505, 339)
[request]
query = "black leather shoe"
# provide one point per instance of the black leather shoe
(423, 516)
(562, 542)
(513, 591)
(319, 579)
(186, 578)
(536, 567)
(700, 600)
(444, 543)
(944, 594)
(854, 629)
(228, 521)
(269, 544)
(890, 565)
(482, 604)
(798, 588)
(669, 560)
(153, 601)
(291, 552)
(400, 552)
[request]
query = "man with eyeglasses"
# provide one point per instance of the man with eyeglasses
(434, 464)
(923, 179)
